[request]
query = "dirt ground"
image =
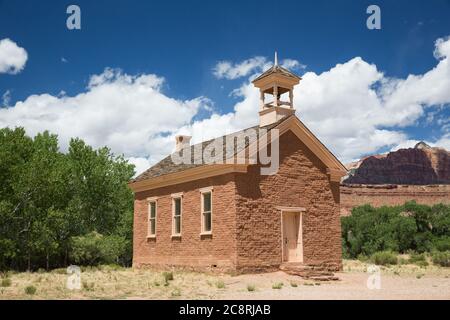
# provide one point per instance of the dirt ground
(396, 282)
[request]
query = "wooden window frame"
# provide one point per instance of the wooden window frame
(174, 197)
(202, 211)
(149, 202)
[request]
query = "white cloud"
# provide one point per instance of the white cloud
(130, 114)
(230, 71)
(12, 57)
(353, 108)
(292, 64)
(6, 99)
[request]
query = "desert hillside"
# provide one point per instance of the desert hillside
(421, 165)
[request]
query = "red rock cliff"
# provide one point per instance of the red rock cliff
(421, 165)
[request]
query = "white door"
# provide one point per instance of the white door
(292, 237)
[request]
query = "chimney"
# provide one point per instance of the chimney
(182, 142)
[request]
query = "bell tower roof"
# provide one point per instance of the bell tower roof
(276, 82)
(276, 70)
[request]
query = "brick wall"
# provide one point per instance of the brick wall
(191, 250)
(391, 195)
(246, 224)
(301, 182)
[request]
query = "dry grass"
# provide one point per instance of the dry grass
(110, 283)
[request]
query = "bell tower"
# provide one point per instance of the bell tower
(276, 82)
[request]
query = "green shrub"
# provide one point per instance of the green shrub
(400, 228)
(88, 286)
(176, 293)
(419, 259)
(6, 282)
(220, 284)
(441, 243)
(441, 258)
(294, 284)
(168, 275)
(94, 249)
(30, 290)
(277, 285)
(251, 288)
(383, 258)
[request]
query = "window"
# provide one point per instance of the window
(152, 218)
(176, 208)
(206, 211)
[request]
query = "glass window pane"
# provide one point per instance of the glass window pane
(207, 201)
(177, 206)
(152, 227)
(207, 221)
(177, 224)
(152, 210)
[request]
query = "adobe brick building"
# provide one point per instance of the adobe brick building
(230, 216)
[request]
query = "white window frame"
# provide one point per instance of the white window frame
(202, 220)
(149, 202)
(174, 197)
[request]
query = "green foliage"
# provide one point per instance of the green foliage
(383, 258)
(419, 259)
(48, 198)
(30, 290)
(167, 276)
(6, 282)
(220, 284)
(251, 288)
(277, 285)
(409, 227)
(441, 258)
(93, 249)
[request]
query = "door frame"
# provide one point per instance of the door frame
(300, 211)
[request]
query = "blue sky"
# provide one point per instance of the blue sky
(183, 41)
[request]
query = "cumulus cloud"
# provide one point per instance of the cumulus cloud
(12, 57)
(230, 71)
(353, 108)
(130, 114)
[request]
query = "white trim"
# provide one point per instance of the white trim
(174, 197)
(177, 195)
(207, 189)
(149, 208)
(202, 220)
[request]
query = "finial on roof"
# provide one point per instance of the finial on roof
(276, 59)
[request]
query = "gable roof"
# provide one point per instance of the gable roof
(166, 172)
(277, 69)
(167, 166)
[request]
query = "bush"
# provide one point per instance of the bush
(383, 258)
(251, 288)
(399, 229)
(220, 284)
(94, 249)
(419, 259)
(176, 293)
(277, 285)
(6, 282)
(30, 290)
(294, 284)
(441, 258)
(167, 275)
